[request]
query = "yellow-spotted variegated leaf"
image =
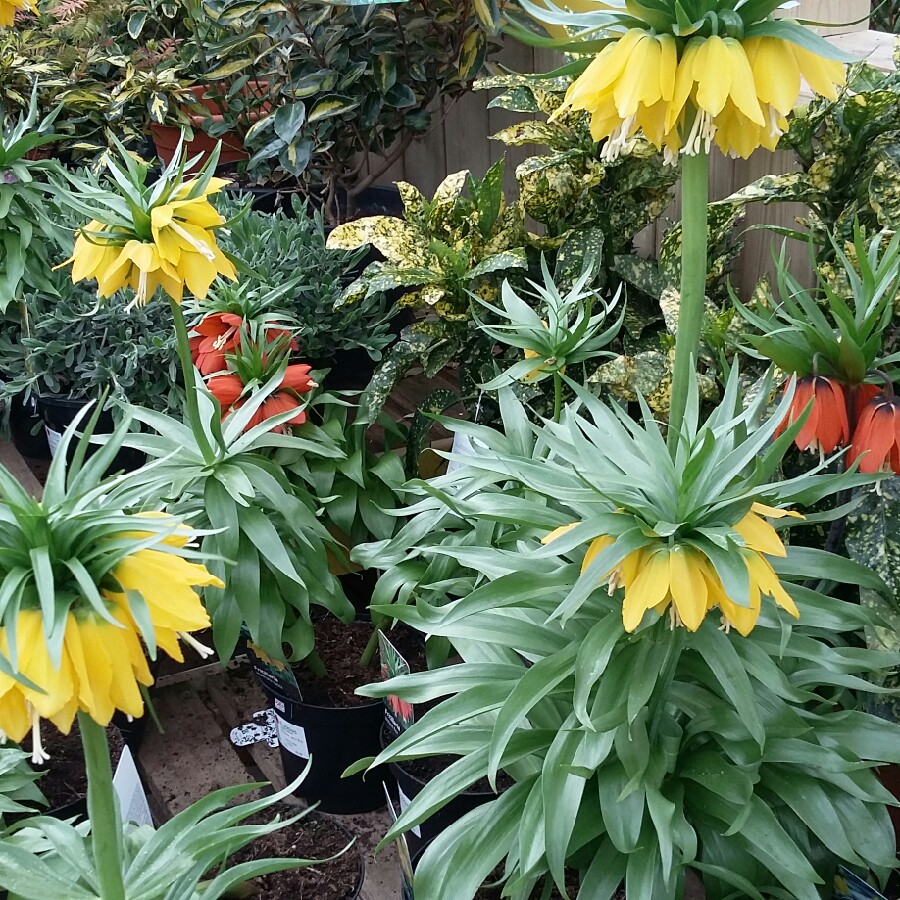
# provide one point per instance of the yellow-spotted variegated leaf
(884, 189)
(500, 262)
(395, 239)
(546, 185)
(793, 187)
(545, 133)
(648, 374)
(449, 190)
(508, 232)
(423, 297)
(413, 200)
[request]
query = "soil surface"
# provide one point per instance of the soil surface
(65, 779)
(430, 766)
(314, 837)
(340, 647)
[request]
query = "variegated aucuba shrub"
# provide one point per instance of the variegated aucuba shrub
(670, 683)
(463, 241)
(592, 209)
(846, 151)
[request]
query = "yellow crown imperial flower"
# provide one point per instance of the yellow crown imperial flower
(156, 238)
(698, 72)
(9, 8)
(102, 662)
(680, 579)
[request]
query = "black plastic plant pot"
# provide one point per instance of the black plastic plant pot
(29, 436)
(410, 786)
(334, 739)
(58, 413)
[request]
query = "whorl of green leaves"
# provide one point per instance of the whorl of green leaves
(181, 859)
(838, 330)
(266, 542)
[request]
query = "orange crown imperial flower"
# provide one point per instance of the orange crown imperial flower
(827, 426)
(876, 440)
(230, 390)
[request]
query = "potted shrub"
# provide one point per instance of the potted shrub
(352, 86)
(75, 350)
(463, 241)
(290, 249)
(94, 585)
(357, 491)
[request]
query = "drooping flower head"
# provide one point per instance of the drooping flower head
(89, 591)
(149, 236)
(876, 440)
(260, 363)
(226, 312)
(681, 531)
(9, 8)
(826, 427)
(681, 580)
(690, 73)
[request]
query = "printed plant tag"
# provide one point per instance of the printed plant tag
(398, 714)
(274, 675)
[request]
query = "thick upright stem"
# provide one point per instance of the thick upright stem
(694, 239)
(106, 825)
(191, 408)
(557, 396)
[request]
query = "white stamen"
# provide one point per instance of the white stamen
(674, 618)
(4, 737)
(725, 626)
(774, 130)
(201, 649)
(38, 754)
(670, 156)
(616, 142)
(219, 342)
(701, 135)
(615, 581)
(200, 246)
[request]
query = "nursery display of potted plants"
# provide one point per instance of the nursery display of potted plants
(639, 638)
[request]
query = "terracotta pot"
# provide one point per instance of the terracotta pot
(166, 137)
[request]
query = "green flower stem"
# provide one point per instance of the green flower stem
(191, 409)
(106, 825)
(694, 239)
(557, 396)
(674, 641)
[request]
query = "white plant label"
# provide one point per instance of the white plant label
(130, 791)
(292, 737)
(53, 439)
(404, 802)
(463, 445)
